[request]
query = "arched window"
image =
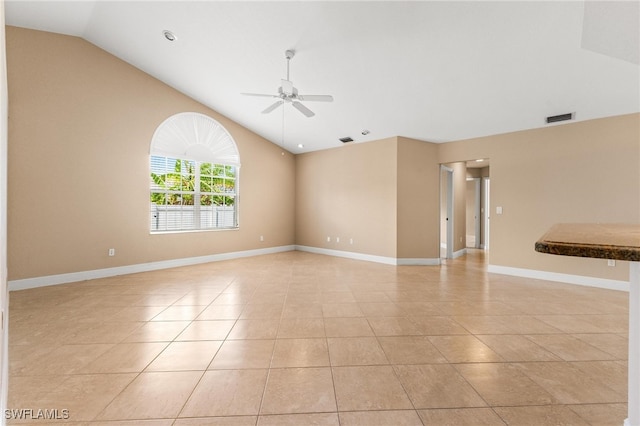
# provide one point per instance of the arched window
(194, 166)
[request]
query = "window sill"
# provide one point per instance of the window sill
(192, 231)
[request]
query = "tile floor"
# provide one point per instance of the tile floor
(296, 339)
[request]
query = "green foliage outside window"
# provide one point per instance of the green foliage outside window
(178, 186)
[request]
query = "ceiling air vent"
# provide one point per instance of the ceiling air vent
(561, 117)
(346, 139)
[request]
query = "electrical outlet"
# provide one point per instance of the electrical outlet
(112, 252)
(328, 239)
(261, 237)
(350, 240)
(611, 262)
(337, 239)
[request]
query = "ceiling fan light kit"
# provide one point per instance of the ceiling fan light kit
(287, 93)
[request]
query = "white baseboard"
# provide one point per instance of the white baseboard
(558, 277)
(48, 280)
(421, 261)
(348, 254)
(370, 257)
(457, 254)
(152, 266)
(142, 267)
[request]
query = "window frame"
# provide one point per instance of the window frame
(192, 140)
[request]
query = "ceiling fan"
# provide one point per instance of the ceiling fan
(289, 94)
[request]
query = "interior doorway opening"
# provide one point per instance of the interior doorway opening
(446, 212)
(464, 207)
(474, 213)
(477, 204)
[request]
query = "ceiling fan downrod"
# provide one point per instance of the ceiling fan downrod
(289, 54)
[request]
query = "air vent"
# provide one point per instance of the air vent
(561, 117)
(346, 139)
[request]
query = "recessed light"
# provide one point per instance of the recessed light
(300, 145)
(480, 160)
(365, 132)
(169, 35)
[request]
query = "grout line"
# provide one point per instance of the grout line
(263, 278)
(273, 350)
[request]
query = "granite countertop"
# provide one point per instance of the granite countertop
(600, 240)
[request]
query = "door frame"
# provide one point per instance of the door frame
(486, 189)
(449, 208)
(477, 182)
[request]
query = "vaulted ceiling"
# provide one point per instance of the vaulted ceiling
(433, 71)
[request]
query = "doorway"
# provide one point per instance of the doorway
(446, 212)
(474, 213)
(486, 212)
(477, 204)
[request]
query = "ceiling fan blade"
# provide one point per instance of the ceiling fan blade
(316, 98)
(303, 109)
(260, 94)
(272, 107)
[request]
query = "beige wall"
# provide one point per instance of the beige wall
(417, 204)
(78, 112)
(349, 193)
(383, 194)
(577, 172)
(478, 172)
(80, 124)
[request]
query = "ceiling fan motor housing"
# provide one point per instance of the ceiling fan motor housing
(287, 87)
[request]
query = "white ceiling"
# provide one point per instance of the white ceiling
(434, 71)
